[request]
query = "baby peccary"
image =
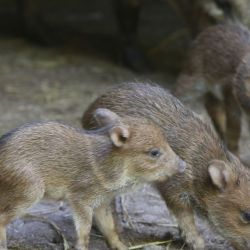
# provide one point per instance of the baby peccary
(87, 168)
(218, 66)
(214, 182)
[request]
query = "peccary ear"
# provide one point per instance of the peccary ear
(219, 174)
(105, 117)
(119, 135)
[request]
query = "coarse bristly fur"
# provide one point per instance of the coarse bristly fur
(219, 59)
(215, 183)
(86, 168)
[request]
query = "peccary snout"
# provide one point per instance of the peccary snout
(181, 165)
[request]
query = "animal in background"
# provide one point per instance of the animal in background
(218, 67)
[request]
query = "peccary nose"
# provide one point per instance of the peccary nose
(181, 165)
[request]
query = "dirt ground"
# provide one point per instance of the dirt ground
(58, 84)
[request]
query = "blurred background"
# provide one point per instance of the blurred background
(154, 28)
(56, 57)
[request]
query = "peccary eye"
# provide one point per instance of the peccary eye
(155, 153)
(245, 216)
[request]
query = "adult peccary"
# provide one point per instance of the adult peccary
(215, 182)
(218, 65)
(87, 168)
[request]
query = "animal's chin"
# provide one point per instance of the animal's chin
(162, 178)
(154, 178)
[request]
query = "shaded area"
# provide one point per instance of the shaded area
(161, 35)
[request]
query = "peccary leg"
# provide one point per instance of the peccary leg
(5, 219)
(15, 199)
(185, 219)
(179, 204)
(83, 222)
(106, 225)
(7, 216)
(233, 120)
(3, 241)
(216, 110)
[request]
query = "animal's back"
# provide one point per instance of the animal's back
(139, 100)
(47, 149)
(218, 50)
(184, 130)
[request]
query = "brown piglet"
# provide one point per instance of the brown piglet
(215, 183)
(218, 67)
(86, 168)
